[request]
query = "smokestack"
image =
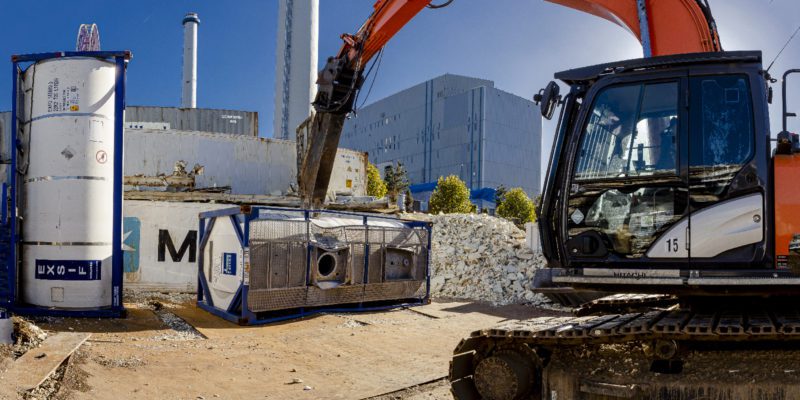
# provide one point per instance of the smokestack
(296, 65)
(189, 95)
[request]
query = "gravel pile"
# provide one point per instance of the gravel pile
(480, 257)
(180, 329)
(143, 298)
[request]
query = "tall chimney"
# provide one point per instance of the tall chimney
(295, 65)
(189, 95)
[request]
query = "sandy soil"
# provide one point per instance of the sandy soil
(152, 355)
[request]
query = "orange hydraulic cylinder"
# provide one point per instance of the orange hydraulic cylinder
(676, 26)
(787, 210)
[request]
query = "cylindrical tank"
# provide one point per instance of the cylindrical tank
(67, 184)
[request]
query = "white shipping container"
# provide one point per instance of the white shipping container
(249, 165)
(160, 243)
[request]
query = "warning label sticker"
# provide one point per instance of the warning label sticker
(62, 98)
(101, 157)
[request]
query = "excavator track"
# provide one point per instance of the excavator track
(487, 365)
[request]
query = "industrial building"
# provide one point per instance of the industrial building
(453, 125)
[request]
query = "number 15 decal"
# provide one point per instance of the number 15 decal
(672, 245)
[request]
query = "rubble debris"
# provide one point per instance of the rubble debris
(182, 330)
(27, 336)
(130, 362)
(48, 388)
(179, 180)
(480, 257)
(146, 299)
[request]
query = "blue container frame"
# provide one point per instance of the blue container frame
(238, 312)
(116, 310)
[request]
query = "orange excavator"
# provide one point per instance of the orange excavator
(662, 179)
(664, 27)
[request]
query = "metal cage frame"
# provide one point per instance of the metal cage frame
(10, 218)
(239, 312)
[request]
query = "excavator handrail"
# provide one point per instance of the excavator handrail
(785, 115)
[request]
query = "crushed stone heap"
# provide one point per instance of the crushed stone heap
(480, 257)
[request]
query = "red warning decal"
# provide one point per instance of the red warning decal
(101, 156)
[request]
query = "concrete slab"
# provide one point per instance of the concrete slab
(30, 370)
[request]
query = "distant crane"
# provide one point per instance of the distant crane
(88, 38)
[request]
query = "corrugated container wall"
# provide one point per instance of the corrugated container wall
(453, 125)
(192, 119)
(249, 165)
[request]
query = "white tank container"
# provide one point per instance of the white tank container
(67, 188)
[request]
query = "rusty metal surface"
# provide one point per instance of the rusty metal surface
(261, 300)
(319, 153)
(194, 119)
(286, 272)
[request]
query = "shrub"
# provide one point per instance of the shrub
(375, 185)
(450, 196)
(517, 207)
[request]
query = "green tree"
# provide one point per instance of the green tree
(396, 180)
(517, 207)
(375, 185)
(450, 196)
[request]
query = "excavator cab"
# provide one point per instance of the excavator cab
(661, 177)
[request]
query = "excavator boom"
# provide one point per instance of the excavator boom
(664, 27)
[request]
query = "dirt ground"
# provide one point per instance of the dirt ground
(152, 354)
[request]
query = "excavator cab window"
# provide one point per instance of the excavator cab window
(631, 133)
(722, 136)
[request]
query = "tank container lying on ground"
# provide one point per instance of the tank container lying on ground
(262, 264)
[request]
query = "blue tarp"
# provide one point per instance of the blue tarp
(423, 187)
(486, 194)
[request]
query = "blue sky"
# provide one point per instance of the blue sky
(517, 43)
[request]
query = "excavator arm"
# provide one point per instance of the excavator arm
(663, 26)
(338, 85)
